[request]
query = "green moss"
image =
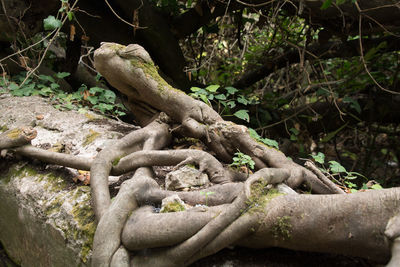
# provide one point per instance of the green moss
(116, 47)
(3, 128)
(53, 183)
(86, 224)
(91, 137)
(19, 172)
(173, 207)
(151, 72)
(55, 205)
(116, 161)
(14, 133)
(260, 196)
(282, 228)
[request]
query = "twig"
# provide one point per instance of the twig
(362, 54)
(323, 178)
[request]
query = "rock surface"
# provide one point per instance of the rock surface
(185, 177)
(46, 219)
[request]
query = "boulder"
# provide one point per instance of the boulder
(45, 218)
(185, 177)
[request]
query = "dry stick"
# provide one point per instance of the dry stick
(323, 178)
(48, 46)
(362, 54)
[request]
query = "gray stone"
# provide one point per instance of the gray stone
(185, 177)
(46, 219)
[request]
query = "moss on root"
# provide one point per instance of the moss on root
(282, 228)
(3, 128)
(14, 133)
(173, 207)
(150, 70)
(261, 196)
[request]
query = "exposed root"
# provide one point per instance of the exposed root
(17, 137)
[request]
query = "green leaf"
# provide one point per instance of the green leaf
(46, 78)
(94, 90)
(326, 4)
(231, 104)
(320, 158)
(54, 86)
(51, 23)
(353, 103)
(339, 2)
(13, 86)
(70, 15)
(195, 89)
(242, 114)
(376, 186)
(205, 99)
(231, 90)
(330, 135)
(364, 186)
(254, 134)
(93, 100)
(242, 100)
(45, 91)
(103, 106)
(212, 88)
(336, 167)
(62, 75)
(110, 96)
(294, 131)
(98, 77)
(220, 97)
(270, 142)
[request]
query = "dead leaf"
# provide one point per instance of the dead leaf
(40, 117)
(72, 32)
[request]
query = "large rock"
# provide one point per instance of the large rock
(46, 219)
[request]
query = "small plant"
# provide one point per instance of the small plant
(241, 160)
(266, 141)
(344, 177)
(96, 98)
(226, 101)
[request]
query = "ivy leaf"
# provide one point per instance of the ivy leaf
(231, 104)
(46, 78)
(205, 99)
(212, 88)
(51, 23)
(336, 167)
(242, 114)
(13, 86)
(195, 89)
(330, 135)
(320, 157)
(270, 142)
(376, 186)
(326, 4)
(231, 90)
(353, 103)
(220, 97)
(70, 15)
(62, 75)
(242, 100)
